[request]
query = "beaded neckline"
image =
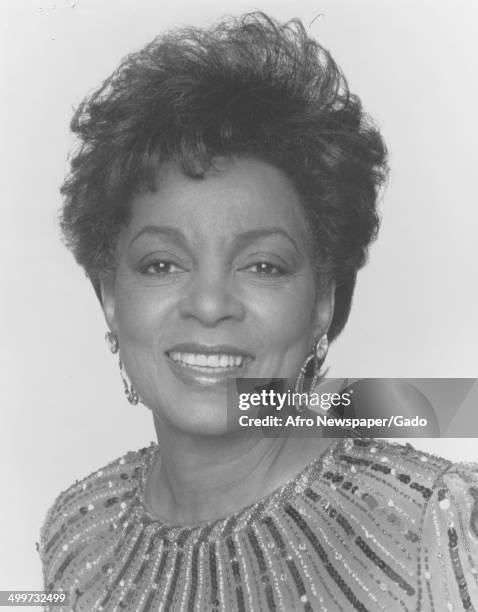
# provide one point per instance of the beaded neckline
(241, 518)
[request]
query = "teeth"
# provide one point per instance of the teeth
(207, 361)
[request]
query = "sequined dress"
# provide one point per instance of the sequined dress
(368, 526)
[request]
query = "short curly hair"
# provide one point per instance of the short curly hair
(248, 86)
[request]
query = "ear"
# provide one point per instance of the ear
(324, 310)
(107, 290)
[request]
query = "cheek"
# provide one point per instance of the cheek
(131, 316)
(139, 315)
(286, 319)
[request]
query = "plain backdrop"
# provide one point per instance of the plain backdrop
(63, 413)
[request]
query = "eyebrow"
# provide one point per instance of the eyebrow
(163, 230)
(240, 241)
(248, 237)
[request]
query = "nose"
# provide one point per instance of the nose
(210, 299)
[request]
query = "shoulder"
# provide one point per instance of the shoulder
(384, 451)
(450, 539)
(427, 503)
(403, 472)
(396, 471)
(406, 464)
(84, 511)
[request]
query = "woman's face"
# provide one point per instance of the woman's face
(214, 281)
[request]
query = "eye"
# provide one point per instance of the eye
(160, 267)
(265, 268)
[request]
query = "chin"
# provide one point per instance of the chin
(207, 426)
(203, 416)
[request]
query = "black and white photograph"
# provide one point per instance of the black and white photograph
(239, 306)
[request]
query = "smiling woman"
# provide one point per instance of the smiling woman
(222, 201)
(214, 281)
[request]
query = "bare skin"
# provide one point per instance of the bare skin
(200, 482)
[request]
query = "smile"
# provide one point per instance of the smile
(205, 365)
(207, 362)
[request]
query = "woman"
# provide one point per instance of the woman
(221, 203)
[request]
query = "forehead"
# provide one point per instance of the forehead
(235, 196)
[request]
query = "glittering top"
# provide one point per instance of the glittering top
(370, 525)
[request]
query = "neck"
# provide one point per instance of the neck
(201, 478)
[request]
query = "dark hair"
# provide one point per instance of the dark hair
(248, 86)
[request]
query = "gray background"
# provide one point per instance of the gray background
(412, 62)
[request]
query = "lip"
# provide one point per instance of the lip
(204, 376)
(208, 349)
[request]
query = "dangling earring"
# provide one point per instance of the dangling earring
(130, 392)
(112, 341)
(311, 368)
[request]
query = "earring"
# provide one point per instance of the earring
(130, 392)
(112, 341)
(321, 348)
(311, 368)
